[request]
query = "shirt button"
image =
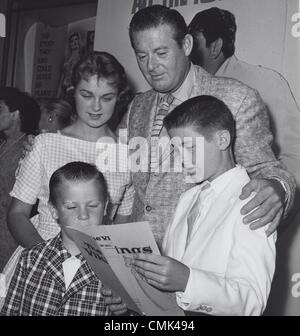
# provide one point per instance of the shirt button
(148, 208)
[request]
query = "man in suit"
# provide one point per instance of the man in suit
(162, 47)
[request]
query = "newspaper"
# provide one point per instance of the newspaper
(108, 249)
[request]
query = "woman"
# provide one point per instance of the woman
(19, 116)
(56, 114)
(100, 82)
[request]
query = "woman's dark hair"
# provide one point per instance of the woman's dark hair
(27, 106)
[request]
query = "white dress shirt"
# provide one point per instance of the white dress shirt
(231, 266)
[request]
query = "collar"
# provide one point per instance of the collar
(227, 65)
(183, 93)
(221, 182)
(57, 253)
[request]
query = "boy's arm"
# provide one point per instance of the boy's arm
(13, 299)
(244, 287)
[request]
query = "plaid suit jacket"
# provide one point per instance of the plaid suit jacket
(38, 288)
(157, 195)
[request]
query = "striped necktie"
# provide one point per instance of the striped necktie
(197, 208)
(164, 106)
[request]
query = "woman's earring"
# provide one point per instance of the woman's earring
(50, 119)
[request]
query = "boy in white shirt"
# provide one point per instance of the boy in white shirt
(216, 264)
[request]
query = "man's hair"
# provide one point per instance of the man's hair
(29, 110)
(206, 113)
(154, 16)
(215, 23)
(75, 171)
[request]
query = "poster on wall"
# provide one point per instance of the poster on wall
(48, 45)
(56, 51)
(80, 41)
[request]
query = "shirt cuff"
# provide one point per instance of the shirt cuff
(283, 186)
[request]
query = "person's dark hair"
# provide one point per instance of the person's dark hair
(156, 15)
(206, 113)
(106, 66)
(61, 108)
(215, 23)
(75, 171)
(29, 109)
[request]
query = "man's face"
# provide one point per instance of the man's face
(161, 60)
(200, 52)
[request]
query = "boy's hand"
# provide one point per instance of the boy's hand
(269, 202)
(27, 145)
(116, 306)
(164, 273)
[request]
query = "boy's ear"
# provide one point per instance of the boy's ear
(215, 48)
(53, 211)
(223, 139)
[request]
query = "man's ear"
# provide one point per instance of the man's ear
(53, 211)
(187, 44)
(215, 48)
(223, 139)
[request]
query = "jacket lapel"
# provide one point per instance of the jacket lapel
(217, 215)
(83, 277)
(140, 123)
(54, 262)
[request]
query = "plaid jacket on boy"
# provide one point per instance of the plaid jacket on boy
(38, 286)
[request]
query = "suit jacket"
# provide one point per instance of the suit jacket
(283, 109)
(156, 195)
(231, 266)
(38, 286)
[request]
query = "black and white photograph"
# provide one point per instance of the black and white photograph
(150, 160)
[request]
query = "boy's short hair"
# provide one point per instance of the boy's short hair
(206, 113)
(75, 171)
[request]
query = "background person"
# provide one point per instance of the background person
(19, 116)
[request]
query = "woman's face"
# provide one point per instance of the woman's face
(95, 101)
(6, 117)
